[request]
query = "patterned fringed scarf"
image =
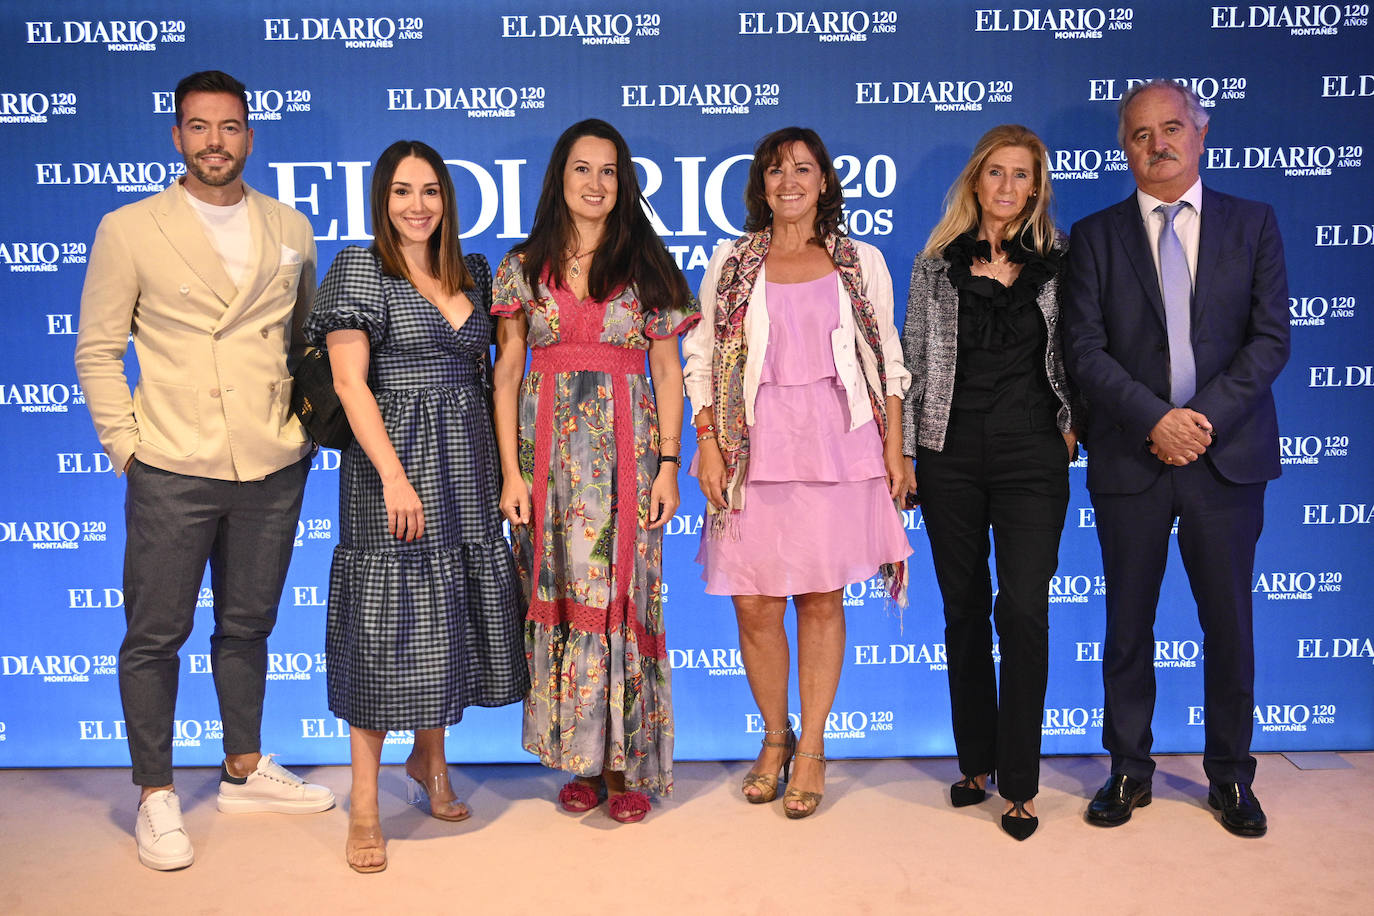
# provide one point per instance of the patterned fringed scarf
(731, 351)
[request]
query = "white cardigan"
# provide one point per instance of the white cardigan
(853, 358)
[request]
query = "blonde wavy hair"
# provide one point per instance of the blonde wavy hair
(962, 212)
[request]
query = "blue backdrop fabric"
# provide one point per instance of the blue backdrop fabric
(899, 90)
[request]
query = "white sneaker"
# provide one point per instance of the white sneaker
(161, 835)
(271, 787)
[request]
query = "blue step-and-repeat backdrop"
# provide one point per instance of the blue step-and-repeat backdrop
(899, 90)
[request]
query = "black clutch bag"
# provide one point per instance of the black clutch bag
(315, 403)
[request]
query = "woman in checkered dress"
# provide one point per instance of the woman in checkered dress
(589, 453)
(424, 604)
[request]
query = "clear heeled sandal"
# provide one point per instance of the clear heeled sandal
(364, 839)
(423, 794)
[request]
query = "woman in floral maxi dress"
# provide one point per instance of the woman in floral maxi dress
(589, 452)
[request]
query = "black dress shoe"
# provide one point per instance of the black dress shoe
(1113, 803)
(966, 792)
(1240, 810)
(1019, 827)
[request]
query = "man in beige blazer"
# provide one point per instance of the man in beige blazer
(213, 280)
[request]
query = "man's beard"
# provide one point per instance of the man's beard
(214, 180)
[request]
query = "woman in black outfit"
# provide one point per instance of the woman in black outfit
(990, 422)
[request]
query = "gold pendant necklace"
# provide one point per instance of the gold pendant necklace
(575, 271)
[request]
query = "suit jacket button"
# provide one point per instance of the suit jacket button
(264, 332)
(214, 392)
(185, 290)
(286, 284)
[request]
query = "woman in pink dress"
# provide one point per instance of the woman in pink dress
(796, 380)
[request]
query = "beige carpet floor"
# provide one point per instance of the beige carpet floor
(885, 841)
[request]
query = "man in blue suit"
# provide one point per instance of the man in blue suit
(1176, 325)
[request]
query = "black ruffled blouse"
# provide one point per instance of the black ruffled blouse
(1002, 335)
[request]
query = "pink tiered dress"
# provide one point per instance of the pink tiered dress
(817, 515)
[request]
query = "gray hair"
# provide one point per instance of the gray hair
(1196, 112)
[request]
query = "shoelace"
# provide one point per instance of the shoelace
(164, 816)
(274, 770)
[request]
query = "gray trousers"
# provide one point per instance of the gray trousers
(174, 525)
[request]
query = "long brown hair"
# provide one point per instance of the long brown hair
(768, 153)
(962, 211)
(630, 251)
(445, 251)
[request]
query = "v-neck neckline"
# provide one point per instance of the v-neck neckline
(429, 302)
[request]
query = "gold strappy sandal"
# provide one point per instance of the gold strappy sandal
(767, 783)
(810, 800)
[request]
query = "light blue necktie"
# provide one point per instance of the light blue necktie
(1177, 286)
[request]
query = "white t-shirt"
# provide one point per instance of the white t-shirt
(230, 235)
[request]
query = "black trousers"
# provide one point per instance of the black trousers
(1218, 525)
(1009, 473)
(174, 525)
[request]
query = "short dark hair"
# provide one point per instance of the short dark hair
(211, 81)
(769, 152)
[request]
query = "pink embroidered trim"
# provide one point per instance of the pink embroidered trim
(598, 620)
(678, 331)
(587, 357)
(619, 363)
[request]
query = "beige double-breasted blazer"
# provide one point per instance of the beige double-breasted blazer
(214, 393)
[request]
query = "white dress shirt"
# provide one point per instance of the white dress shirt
(1187, 225)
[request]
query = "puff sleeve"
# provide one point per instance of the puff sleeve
(350, 298)
(481, 278)
(509, 292)
(671, 321)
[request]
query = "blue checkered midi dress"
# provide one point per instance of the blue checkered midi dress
(419, 630)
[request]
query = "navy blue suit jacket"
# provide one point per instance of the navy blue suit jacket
(1116, 343)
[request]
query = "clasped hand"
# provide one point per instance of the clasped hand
(1181, 436)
